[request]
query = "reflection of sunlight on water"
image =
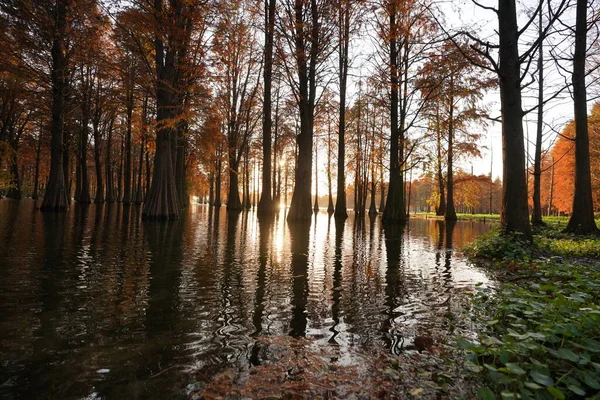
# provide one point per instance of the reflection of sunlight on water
(192, 295)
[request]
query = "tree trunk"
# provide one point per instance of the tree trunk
(55, 197)
(316, 203)
(110, 187)
(536, 217)
(139, 194)
(450, 209)
(344, 43)
(180, 168)
(582, 219)
(162, 201)
(265, 205)
(514, 216)
(38, 152)
(441, 209)
(300, 207)
(127, 197)
(99, 198)
(394, 209)
(218, 180)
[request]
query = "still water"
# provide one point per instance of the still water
(95, 303)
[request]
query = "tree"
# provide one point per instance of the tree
(172, 27)
(582, 219)
(265, 205)
(239, 69)
(454, 84)
(55, 197)
(308, 37)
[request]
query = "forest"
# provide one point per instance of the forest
(234, 102)
(386, 120)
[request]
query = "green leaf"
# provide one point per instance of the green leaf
(540, 378)
(576, 389)
(532, 385)
(507, 394)
(485, 393)
(490, 367)
(556, 393)
(567, 354)
(515, 369)
(589, 380)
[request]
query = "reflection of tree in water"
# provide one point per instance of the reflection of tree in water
(337, 279)
(231, 303)
(299, 237)
(165, 243)
(265, 225)
(395, 285)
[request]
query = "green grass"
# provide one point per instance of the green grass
(541, 326)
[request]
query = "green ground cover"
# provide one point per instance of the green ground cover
(541, 334)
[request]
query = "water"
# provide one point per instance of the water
(95, 303)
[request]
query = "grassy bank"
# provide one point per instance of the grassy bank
(542, 334)
(557, 222)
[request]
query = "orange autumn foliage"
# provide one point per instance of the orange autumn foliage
(560, 177)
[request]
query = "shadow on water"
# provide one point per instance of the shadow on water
(95, 302)
(394, 280)
(299, 238)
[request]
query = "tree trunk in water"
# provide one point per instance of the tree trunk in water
(233, 195)
(38, 152)
(162, 201)
(15, 190)
(120, 174)
(99, 198)
(301, 207)
(394, 209)
(55, 197)
(211, 190)
(82, 181)
(139, 194)
(316, 204)
(450, 209)
(265, 205)
(441, 209)
(218, 182)
(180, 169)
(344, 43)
(582, 218)
(514, 216)
(110, 187)
(127, 197)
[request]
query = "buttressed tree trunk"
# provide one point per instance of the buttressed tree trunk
(162, 201)
(56, 190)
(514, 216)
(582, 218)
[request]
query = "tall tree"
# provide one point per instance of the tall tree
(344, 11)
(55, 197)
(265, 205)
(307, 33)
(582, 219)
(172, 26)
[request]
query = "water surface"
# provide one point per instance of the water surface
(96, 303)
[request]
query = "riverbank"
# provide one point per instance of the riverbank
(542, 333)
